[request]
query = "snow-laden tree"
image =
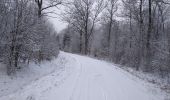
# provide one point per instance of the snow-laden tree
(44, 5)
(83, 15)
(24, 35)
(139, 40)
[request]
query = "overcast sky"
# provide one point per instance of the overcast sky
(55, 18)
(60, 25)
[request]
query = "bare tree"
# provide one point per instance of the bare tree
(140, 40)
(40, 4)
(20, 38)
(83, 17)
(109, 15)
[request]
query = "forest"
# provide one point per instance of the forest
(132, 33)
(25, 34)
(84, 49)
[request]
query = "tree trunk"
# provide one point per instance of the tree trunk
(140, 41)
(110, 30)
(81, 39)
(109, 35)
(39, 3)
(148, 43)
(86, 31)
(16, 59)
(86, 42)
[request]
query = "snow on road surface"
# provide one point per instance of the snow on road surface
(85, 78)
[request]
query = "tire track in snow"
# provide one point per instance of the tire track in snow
(77, 80)
(81, 86)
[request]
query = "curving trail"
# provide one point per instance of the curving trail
(88, 79)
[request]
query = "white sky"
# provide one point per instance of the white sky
(60, 25)
(55, 18)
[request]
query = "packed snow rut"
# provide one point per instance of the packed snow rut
(85, 78)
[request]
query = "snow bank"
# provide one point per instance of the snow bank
(28, 75)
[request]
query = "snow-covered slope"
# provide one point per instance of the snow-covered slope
(84, 78)
(30, 75)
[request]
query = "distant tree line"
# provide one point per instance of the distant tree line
(24, 35)
(135, 33)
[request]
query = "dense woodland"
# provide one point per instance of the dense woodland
(133, 33)
(25, 34)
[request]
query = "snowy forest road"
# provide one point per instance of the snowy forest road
(88, 79)
(98, 80)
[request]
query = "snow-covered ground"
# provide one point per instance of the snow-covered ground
(74, 77)
(30, 75)
(154, 78)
